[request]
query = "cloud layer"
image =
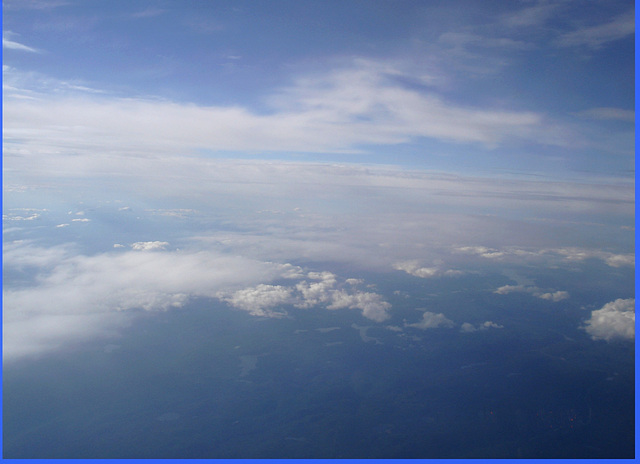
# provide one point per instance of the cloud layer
(73, 297)
(356, 104)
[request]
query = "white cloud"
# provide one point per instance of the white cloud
(596, 36)
(308, 294)
(77, 297)
(611, 259)
(6, 217)
(372, 305)
(338, 111)
(533, 16)
(554, 296)
(148, 246)
(614, 114)
(505, 289)
(535, 291)
(432, 321)
(567, 253)
(259, 300)
(413, 268)
(467, 327)
(482, 251)
(614, 260)
(12, 45)
(615, 320)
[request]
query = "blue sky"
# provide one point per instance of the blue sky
(428, 137)
(530, 87)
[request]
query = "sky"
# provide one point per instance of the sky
(267, 153)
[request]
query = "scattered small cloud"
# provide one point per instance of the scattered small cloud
(482, 251)
(615, 320)
(414, 269)
(8, 217)
(467, 327)
(533, 290)
(148, 246)
(553, 296)
(432, 321)
(568, 254)
(81, 220)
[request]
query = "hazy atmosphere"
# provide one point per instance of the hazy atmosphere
(318, 229)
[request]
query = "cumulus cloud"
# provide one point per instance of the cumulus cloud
(614, 260)
(323, 291)
(413, 268)
(323, 288)
(260, 300)
(432, 321)
(533, 290)
(611, 259)
(372, 305)
(615, 320)
(482, 251)
(553, 296)
(467, 327)
(148, 246)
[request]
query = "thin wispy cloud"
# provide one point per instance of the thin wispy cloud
(9, 44)
(599, 35)
(611, 114)
(337, 111)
